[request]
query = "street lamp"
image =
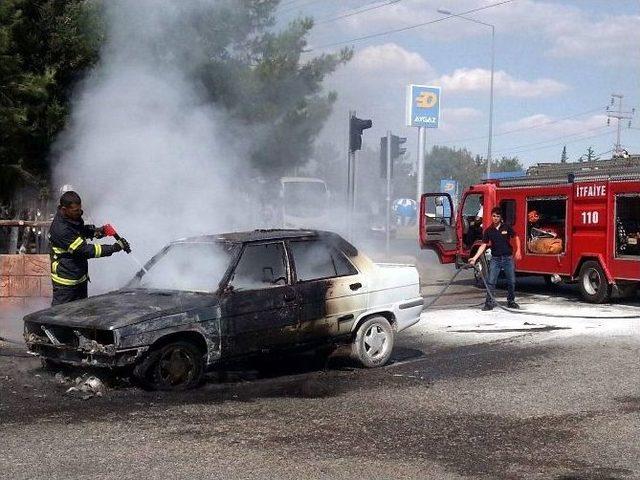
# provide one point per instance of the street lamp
(493, 57)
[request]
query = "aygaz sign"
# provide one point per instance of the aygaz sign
(423, 106)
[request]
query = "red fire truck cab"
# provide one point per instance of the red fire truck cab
(583, 228)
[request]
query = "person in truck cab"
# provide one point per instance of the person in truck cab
(498, 236)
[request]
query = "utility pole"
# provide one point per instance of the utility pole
(422, 146)
(619, 115)
(388, 216)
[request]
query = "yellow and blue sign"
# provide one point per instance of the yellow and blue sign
(451, 187)
(423, 106)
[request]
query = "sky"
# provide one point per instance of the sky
(556, 65)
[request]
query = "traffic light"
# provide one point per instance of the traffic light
(383, 158)
(356, 126)
(396, 141)
(396, 152)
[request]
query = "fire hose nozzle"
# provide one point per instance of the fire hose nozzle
(109, 231)
(125, 245)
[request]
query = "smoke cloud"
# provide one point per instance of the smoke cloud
(143, 149)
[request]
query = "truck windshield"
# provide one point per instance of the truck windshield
(187, 266)
(305, 199)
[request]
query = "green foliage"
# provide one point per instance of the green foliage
(45, 46)
(260, 76)
(506, 164)
(287, 106)
(461, 165)
(590, 155)
(228, 48)
(563, 157)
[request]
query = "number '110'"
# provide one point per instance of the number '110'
(590, 217)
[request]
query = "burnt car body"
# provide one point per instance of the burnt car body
(205, 299)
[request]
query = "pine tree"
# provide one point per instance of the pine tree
(563, 157)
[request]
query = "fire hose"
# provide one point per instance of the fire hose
(481, 273)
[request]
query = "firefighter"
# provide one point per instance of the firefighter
(69, 250)
(498, 235)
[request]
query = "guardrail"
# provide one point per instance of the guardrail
(24, 236)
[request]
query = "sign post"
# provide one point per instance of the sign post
(423, 111)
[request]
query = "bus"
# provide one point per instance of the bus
(304, 202)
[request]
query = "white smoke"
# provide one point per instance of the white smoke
(142, 149)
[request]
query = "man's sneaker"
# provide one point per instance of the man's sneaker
(487, 307)
(513, 305)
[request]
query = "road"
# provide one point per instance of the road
(468, 395)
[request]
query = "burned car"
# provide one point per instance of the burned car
(203, 300)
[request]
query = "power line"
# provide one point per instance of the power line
(522, 129)
(410, 27)
(294, 7)
(356, 12)
(518, 147)
(522, 148)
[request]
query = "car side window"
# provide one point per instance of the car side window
(343, 266)
(315, 260)
(260, 266)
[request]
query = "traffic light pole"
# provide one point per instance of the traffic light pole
(388, 221)
(350, 162)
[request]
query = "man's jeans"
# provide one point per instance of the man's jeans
(505, 263)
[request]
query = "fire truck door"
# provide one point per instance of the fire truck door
(437, 225)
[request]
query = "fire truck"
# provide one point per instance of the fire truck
(580, 227)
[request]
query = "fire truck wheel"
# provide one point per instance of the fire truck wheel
(594, 286)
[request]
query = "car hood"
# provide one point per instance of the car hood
(121, 308)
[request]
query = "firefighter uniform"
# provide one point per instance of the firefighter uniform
(69, 253)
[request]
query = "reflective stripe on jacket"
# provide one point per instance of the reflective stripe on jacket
(69, 250)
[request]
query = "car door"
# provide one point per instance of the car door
(332, 291)
(259, 306)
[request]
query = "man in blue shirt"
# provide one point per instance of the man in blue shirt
(498, 236)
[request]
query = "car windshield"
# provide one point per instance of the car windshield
(187, 266)
(305, 199)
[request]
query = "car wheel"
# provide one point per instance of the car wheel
(373, 343)
(594, 286)
(174, 366)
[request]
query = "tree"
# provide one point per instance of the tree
(563, 157)
(506, 164)
(460, 165)
(230, 50)
(590, 155)
(45, 46)
(257, 75)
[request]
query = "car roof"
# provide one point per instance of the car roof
(274, 234)
(254, 236)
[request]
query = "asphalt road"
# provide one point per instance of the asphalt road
(468, 394)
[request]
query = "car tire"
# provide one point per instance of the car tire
(593, 283)
(373, 343)
(174, 366)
